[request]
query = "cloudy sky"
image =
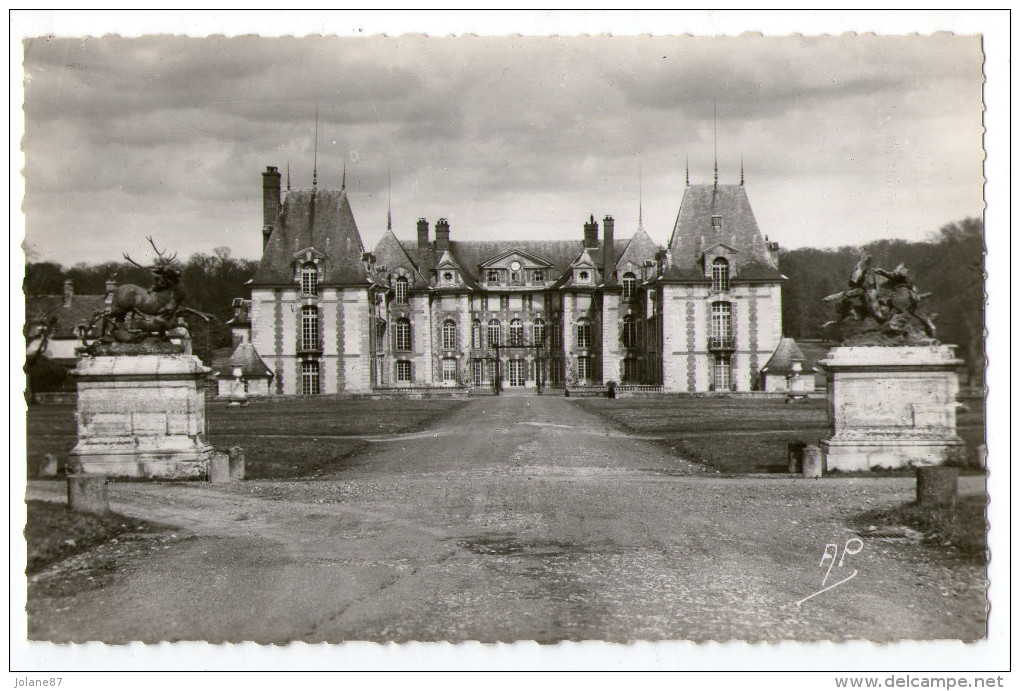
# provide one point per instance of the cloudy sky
(843, 139)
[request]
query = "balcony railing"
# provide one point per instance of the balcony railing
(721, 343)
(309, 345)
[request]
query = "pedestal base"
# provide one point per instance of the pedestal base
(141, 416)
(891, 407)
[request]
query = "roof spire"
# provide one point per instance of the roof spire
(687, 168)
(741, 171)
(389, 198)
(315, 155)
(715, 142)
(288, 175)
(640, 214)
(343, 180)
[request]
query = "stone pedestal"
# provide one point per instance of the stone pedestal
(141, 416)
(890, 406)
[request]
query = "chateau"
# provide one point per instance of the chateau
(327, 316)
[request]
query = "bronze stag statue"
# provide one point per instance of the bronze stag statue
(143, 317)
(885, 306)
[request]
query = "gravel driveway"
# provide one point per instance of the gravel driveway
(516, 518)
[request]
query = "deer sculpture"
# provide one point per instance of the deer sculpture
(135, 312)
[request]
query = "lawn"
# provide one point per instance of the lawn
(735, 434)
(961, 526)
(298, 437)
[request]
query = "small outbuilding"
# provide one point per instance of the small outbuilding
(246, 374)
(784, 372)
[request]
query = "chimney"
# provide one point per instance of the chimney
(773, 248)
(68, 292)
(270, 202)
(423, 241)
(607, 251)
(111, 285)
(442, 235)
(591, 233)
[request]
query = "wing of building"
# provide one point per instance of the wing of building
(328, 317)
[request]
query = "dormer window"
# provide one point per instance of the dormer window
(400, 290)
(492, 276)
(629, 285)
(720, 274)
(582, 276)
(716, 223)
(447, 277)
(538, 276)
(309, 279)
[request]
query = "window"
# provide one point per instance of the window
(402, 334)
(556, 370)
(516, 372)
(450, 369)
(582, 276)
(630, 332)
(557, 335)
(720, 274)
(538, 333)
(449, 335)
(310, 377)
(583, 334)
(630, 369)
(492, 333)
(721, 380)
(538, 276)
(477, 370)
(476, 334)
(404, 370)
(309, 280)
(722, 335)
(447, 277)
(516, 332)
(584, 368)
(504, 302)
(629, 285)
(310, 328)
(717, 223)
(492, 276)
(400, 289)
(515, 276)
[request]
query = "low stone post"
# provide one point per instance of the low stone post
(236, 454)
(48, 468)
(795, 456)
(87, 494)
(936, 485)
(812, 461)
(219, 467)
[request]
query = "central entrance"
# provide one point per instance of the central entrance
(517, 372)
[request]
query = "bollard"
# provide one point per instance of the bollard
(982, 456)
(936, 485)
(219, 467)
(795, 456)
(87, 494)
(49, 466)
(236, 454)
(812, 462)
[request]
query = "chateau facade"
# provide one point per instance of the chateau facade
(327, 316)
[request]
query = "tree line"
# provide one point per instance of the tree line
(950, 266)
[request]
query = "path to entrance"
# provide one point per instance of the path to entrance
(514, 519)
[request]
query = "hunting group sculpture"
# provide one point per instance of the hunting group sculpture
(140, 320)
(884, 307)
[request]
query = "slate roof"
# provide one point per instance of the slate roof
(247, 358)
(322, 220)
(389, 252)
(785, 354)
(640, 248)
(80, 311)
(694, 233)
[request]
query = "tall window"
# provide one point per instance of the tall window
(584, 368)
(402, 334)
(449, 335)
(720, 274)
(538, 332)
(309, 280)
(400, 289)
(477, 368)
(309, 327)
(722, 334)
(492, 333)
(629, 285)
(583, 334)
(630, 332)
(556, 370)
(450, 369)
(722, 373)
(630, 369)
(516, 373)
(516, 332)
(556, 338)
(476, 334)
(404, 370)
(310, 377)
